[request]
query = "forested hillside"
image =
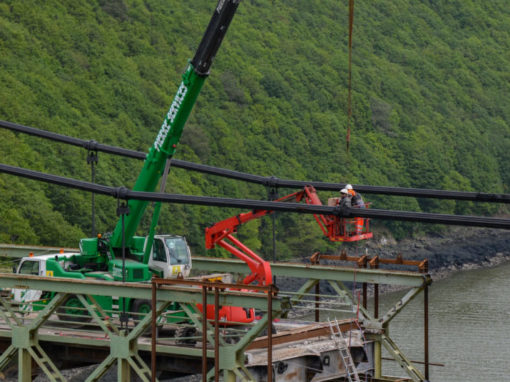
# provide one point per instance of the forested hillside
(431, 108)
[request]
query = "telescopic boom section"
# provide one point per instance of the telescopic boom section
(221, 234)
(170, 132)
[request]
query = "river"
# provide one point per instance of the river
(469, 326)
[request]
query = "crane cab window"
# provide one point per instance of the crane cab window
(29, 268)
(159, 253)
(178, 250)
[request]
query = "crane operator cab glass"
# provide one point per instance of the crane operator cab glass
(170, 256)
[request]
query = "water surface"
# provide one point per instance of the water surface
(469, 327)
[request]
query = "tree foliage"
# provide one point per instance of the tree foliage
(430, 106)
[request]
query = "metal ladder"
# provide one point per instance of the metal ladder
(343, 348)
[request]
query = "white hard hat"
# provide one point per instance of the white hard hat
(344, 191)
(348, 187)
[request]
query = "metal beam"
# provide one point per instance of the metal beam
(392, 348)
(319, 272)
(125, 194)
(18, 251)
(395, 309)
(268, 181)
(135, 290)
(101, 341)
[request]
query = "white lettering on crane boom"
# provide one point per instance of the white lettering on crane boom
(170, 117)
(220, 6)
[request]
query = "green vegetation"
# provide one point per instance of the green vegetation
(5, 264)
(430, 101)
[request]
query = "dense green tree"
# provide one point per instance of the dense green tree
(430, 107)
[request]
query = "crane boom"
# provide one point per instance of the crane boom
(170, 132)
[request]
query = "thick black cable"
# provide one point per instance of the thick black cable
(92, 160)
(89, 145)
(124, 193)
(267, 181)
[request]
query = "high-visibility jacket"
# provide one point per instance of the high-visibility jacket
(358, 224)
(357, 200)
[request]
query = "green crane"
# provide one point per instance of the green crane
(166, 255)
(170, 133)
(157, 160)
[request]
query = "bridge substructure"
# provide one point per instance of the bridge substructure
(35, 338)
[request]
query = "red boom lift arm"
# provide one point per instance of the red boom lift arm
(334, 227)
(222, 231)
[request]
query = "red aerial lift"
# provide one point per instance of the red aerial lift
(334, 227)
(222, 234)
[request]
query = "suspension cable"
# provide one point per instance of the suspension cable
(124, 193)
(266, 180)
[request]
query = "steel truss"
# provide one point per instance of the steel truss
(26, 330)
(335, 276)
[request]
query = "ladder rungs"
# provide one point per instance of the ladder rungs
(343, 349)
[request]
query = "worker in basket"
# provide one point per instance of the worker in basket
(345, 198)
(356, 202)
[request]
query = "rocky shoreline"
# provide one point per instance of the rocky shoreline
(460, 248)
(454, 250)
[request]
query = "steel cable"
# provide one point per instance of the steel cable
(126, 194)
(269, 181)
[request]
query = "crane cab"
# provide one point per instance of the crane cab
(170, 256)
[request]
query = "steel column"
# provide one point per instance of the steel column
(24, 366)
(426, 330)
(204, 334)
(216, 336)
(270, 334)
(377, 358)
(153, 330)
(123, 371)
